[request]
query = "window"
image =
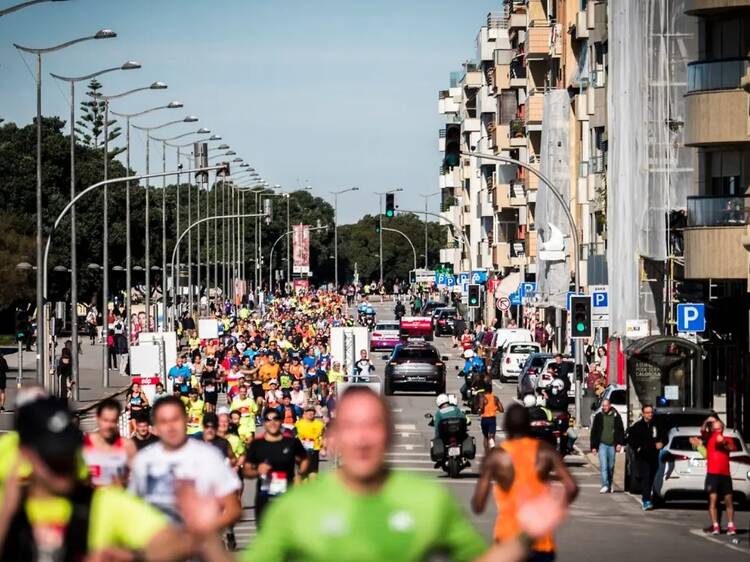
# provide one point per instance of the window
(416, 353)
(725, 172)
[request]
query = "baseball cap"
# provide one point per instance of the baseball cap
(46, 426)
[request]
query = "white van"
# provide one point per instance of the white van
(504, 336)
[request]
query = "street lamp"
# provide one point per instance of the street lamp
(336, 231)
(380, 218)
(129, 65)
(147, 234)
(101, 34)
(25, 5)
(426, 197)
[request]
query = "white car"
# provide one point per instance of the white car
(618, 397)
(514, 359)
(682, 469)
(545, 376)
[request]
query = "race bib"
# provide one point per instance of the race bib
(210, 388)
(275, 484)
(308, 444)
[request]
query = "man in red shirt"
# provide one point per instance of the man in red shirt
(718, 476)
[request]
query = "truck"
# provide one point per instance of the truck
(415, 327)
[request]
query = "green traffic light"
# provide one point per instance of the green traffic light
(580, 326)
(389, 213)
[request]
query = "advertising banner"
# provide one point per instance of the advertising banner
(301, 248)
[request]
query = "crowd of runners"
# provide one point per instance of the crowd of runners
(262, 401)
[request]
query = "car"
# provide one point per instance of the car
(504, 336)
(682, 469)
(442, 321)
(414, 366)
(530, 372)
(618, 397)
(429, 307)
(514, 358)
(385, 335)
(665, 419)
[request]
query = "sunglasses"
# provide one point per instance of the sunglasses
(210, 426)
(271, 419)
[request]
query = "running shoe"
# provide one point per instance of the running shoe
(731, 529)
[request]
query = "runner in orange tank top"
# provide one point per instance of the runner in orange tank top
(490, 406)
(521, 467)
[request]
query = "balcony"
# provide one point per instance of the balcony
(485, 255)
(501, 196)
(716, 117)
(473, 79)
(451, 256)
(453, 214)
(706, 7)
(485, 205)
(538, 41)
(447, 103)
(501, 255)
(517, 194)
(517, 73)
(517, 133)
(518, 252)
(531, 243)
(471, 125)
(535, 108)
(713, 237)
(722, 74)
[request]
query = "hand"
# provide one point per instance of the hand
(695, 442)
(264, 468)
(719, 438)
(542, 514)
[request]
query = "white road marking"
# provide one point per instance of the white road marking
(408, 446)
(397, 410)
(405, 426)
(702, 533)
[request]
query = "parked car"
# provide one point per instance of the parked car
(415, 366)
(682, 469)
(385, 335)
(618, 397)
(442, 321)
(429, 307)
(665, 419)
(504, 336)
(530, 372)
(514, 359)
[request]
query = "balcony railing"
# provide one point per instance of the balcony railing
(722, 74)
(517, 128)
(722, 210)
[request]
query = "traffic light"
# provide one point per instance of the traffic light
(474, 296)
(224, 170)
(268, 210)
(452, 145)
(580, 309)
(22, 326)
(390, 205)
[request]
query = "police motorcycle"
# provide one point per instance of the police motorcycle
(453, 447)
(473, 375)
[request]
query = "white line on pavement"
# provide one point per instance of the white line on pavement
(702, 533)
(405, 426)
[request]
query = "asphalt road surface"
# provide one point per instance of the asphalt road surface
(601, 527)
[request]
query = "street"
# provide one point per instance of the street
(599, 527)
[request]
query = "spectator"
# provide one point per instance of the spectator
(65, 372)
(607, 437)
(643, 440)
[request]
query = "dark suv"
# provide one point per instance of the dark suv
(442, 321)
(415, 366)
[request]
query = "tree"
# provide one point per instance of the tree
(90, 127)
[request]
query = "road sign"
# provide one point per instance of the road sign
(478, 276)
(599, 305)
(503, 303)
(450, 281)
(515, 298)
(691, 317)
(567, 298)
(441, 279)
(527, 289)
(463, 278)
(635, 329)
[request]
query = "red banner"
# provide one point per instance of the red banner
(301, 248)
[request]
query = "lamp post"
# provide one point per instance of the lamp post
(380, 219)
(129, 65)
(178, 230)
(24, 5)
(40, 328)
(426, 198)
(147, 242)
(336, 231)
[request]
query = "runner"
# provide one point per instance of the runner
(194, 409)
(247, 408)
(310, 432)
(489, 406)
(142, 436)
(521, 469)
(106, 453)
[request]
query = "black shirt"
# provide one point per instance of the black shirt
(221, 444)
(281, 455)
(141, 443)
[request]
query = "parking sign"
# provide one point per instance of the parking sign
(691, 317)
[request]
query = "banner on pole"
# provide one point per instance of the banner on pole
(301, 248)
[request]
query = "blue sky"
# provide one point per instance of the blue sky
(330, 93)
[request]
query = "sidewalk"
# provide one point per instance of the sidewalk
(90, 385)
(583, 445)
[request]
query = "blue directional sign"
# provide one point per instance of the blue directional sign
(527, 289)
(464, 278)
(440, 279)
(450, 280)
(478, 276)
(691, 317)
(515, 298)
(567, 298)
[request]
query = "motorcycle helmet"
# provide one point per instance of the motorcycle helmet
(442, 400)
(540, 401)
(529, 401)
(452, 400)
(468, 354)
(556, 386)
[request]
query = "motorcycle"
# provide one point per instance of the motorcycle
(369, 321)
(562, 432)
(454, 447)
(471, 388)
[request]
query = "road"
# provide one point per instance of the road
(600, 527)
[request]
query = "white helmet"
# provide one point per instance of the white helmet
(529, 401)
(540, 401)
(441, 400)
(468, 354)
(557, 384)
(452, 400)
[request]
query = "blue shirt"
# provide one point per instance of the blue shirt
(179, 372)
(475, 363)
(309, 362)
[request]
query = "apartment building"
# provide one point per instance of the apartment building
(536, 93)
(717, 235)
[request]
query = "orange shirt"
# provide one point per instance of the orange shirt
(526, 484)
(267, 372)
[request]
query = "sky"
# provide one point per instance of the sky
(326, 93)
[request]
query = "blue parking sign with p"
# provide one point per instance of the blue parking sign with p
(691, 317)
(599, 300)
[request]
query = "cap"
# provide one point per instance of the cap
(209, 418)
(47, 427)
(222, 411)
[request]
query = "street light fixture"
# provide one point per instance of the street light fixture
(101, 34)
(25, 5)
(129, 65)
(336, 231)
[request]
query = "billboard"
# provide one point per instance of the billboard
(301, 248)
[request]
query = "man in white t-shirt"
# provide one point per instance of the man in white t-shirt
(175, 458)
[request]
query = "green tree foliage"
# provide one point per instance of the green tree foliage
(90, 127)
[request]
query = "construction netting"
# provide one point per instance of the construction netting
(650, 171)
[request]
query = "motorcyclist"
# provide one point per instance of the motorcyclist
(556, 397)
(472, 362)
(537, 410)
(399, 310)
(446, 410)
